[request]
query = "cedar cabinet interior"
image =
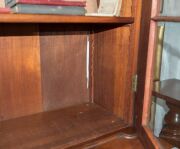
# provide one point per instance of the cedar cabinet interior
(67, 81)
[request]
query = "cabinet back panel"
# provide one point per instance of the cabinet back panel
(63, 61)
(20, 78)
(112, 71)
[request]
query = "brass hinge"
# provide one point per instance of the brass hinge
(134, 83)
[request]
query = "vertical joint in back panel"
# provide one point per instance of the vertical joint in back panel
(91, 65)
(87, 60)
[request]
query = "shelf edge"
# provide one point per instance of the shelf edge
(36, 18)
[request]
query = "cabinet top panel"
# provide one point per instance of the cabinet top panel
(36, 18)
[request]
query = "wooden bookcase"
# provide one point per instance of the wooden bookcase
(66, 80)
(168, 89)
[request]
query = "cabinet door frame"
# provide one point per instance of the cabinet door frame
(147, 42)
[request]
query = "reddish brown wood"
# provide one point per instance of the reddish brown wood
(142, 60)
(134, 46)
(59, 129)
(20, 77)
(166, 19)
(148, 82)
(63, 80)
(129, 131)
(144, 135)
(127, 8)
(36, 18)
(63, 61)
(91, 67)
(149, 74)
(171, 128)
(165, 144)
(150, 140)
(111, 71)
(125, 138)
(121, 143)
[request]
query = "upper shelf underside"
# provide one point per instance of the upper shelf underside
(36, 18)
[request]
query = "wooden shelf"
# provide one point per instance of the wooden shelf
(122, 143)
(35, 18)
(168, 90)
(166, 19)
(62, 128)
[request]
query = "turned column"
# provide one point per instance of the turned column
(171, 128)
(169, 90)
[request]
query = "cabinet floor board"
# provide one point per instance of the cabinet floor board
(121, 144)
(61, 128)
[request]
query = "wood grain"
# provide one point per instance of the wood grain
(20, 77)
(134, 46)
(149, 78)
(111, 68)
(142, 60)
(58, 129)
(63, 61)
(145, 70)
(121, 143)
(36, 18)
(128, 131)
(126, 8)
(61, 49)
(141, 71)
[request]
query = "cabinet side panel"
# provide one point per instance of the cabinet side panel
(63, 58)
(20, 78)
(126, 8)
(111, 71)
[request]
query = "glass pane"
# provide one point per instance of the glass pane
(169, 7)
(165, 108)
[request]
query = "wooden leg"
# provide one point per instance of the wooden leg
(171, 128)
